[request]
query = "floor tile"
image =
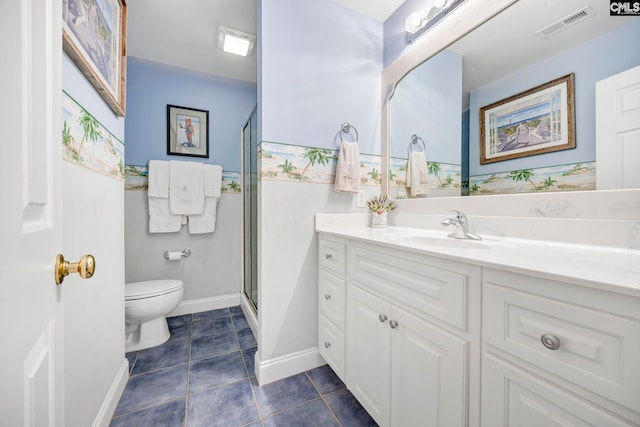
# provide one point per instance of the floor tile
(235, 309)
(348, 409)
(210, 315)
(215, 345)
(239, 321)
(185, 319)
(246, 339)
(325, 379)
(314, 413)
(227, 406)
(166, 415)
(153, 388)
(209, 327)
(249, 360)
(173, 352)
(216, 371)
(283, 394)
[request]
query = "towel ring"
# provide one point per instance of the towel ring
(346, 128)
(414, 141)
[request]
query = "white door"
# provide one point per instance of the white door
(31, 328)
(618, 131)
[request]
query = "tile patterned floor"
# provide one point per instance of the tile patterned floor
(204, 376)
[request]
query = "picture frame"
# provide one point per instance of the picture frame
(187, 131)
(94, 36)
(537, 121)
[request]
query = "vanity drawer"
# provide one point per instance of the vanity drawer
(332, 297)
(436, 287)
(596, 350)
(333, 255)
(331, 345)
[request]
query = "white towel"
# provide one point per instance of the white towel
(348, 168)
(206, 223)
(417, 174)
(186, 188)
(161, 220)
(159, 178)
(212, 180)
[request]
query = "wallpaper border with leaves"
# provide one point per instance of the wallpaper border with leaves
(87, 143)
(137, 179)
(570, 177)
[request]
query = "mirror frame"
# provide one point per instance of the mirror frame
(464, 19)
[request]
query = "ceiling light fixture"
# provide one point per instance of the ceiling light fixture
(235, 41)
(419, 22)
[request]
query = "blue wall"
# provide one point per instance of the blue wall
(591, 61)
(427, 102)
(151, 86)
(320, 69)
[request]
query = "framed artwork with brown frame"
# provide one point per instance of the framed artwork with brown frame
(187, 131)
(539, 120)
(94, 36)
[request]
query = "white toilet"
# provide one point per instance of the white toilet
(146, 305)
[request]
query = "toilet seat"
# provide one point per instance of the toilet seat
(151, 288)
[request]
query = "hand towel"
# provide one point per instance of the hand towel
(186, 188)
(161, 220)
(417, 173)
(348, 168)
(206, 223)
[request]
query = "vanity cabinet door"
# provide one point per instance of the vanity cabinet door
(428, 374)
(514, 397)
(369, 352)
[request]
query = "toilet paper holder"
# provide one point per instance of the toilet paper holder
(185, 253)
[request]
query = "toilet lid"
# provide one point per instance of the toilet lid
(150, 288)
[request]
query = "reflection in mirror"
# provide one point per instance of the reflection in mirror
(440, 100)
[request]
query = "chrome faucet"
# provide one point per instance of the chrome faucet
(462, 226)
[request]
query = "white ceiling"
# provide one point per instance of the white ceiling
(379, 10)
(184, 33)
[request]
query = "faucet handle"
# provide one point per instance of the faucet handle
(460, 216)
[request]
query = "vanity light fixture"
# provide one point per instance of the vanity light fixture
(235, 41)
(419, 22)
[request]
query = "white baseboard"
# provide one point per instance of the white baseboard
(108, 407)
(206, 304)
(276, 369)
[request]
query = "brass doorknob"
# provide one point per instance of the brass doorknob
(85, 267)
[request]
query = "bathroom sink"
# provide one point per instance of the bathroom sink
(441, 242)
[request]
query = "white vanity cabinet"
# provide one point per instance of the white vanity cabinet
(412, 334)
(557, 354)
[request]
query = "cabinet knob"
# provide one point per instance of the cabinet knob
(327, 344)
(550, 341)
(393, 324)
(383, 318)
(327, 255)
(327, 296)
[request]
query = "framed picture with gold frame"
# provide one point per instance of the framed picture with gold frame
(94, 36)
(539, 120)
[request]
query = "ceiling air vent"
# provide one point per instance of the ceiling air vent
(566, 22)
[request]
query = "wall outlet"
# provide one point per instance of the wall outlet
(360, 199)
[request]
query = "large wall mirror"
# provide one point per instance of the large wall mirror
(435, 125)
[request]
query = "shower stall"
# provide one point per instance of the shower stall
(250, 208)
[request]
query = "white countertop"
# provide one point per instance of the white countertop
(605, 268)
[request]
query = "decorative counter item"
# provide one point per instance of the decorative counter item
(379, 206)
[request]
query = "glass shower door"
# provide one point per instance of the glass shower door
(250, 208)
